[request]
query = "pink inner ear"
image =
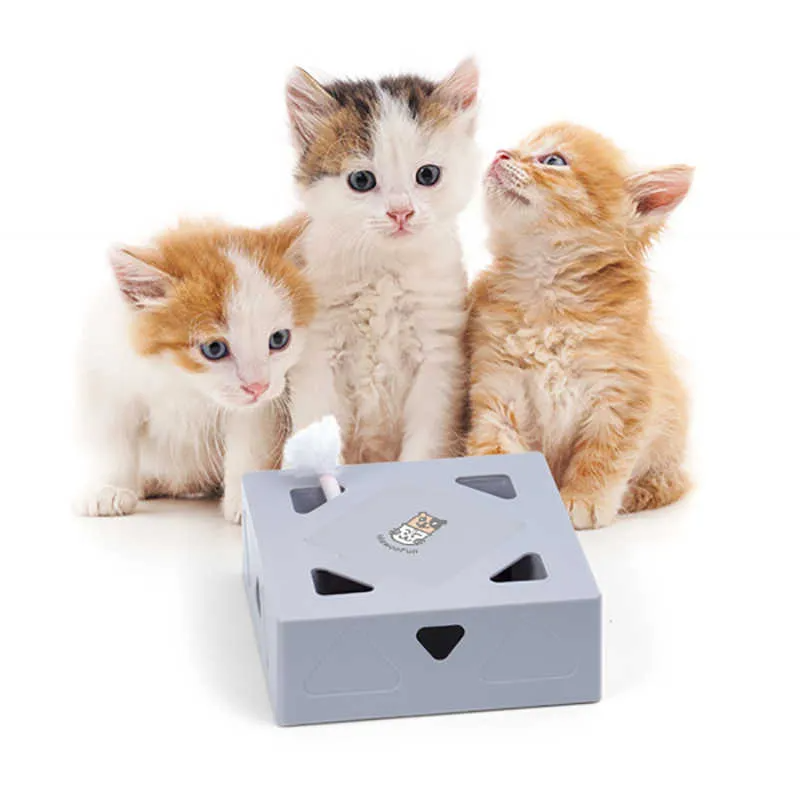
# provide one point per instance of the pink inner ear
(141, 283)
(658, 199)
(661, 190)
(141, 292)
(307, 102)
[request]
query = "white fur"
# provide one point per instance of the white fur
(256, 308)
(151, 427)
(385, 354)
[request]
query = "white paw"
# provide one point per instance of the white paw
(232, 506)
(590, 512)
(106, 501)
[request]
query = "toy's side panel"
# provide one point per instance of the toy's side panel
(442, 661)
(546, 656)
(258, 602)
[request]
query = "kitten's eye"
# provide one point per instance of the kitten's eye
(280, 339)
(553, 160)
(215, 350)
(428, 175)
(362, 181)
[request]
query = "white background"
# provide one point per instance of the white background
(127, 663)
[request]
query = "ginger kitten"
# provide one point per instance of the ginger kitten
(184, 365)
(384, 168)
(564, 355)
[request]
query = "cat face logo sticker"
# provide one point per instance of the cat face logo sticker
(417, 529)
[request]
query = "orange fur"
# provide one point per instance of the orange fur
(200, 277)
(564, 356)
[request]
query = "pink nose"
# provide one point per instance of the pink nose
(255, 389)
(400, 215)
(502, 155)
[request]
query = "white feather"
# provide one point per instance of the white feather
(316, 448)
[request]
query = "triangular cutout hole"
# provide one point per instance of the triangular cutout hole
(497, 485)
(528, 568)
(440, 640)
(326, 582)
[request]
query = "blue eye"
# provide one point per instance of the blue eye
(215, 350)
(428, 175)
(362, 181)
(553, 160)
(280, 339)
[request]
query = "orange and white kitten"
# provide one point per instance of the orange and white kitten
(184, 365)
(564, 355)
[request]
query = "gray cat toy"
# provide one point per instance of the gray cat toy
(421, 588)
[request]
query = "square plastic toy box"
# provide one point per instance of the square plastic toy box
(424, 588)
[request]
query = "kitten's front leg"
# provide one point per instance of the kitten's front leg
(602, 460)
(498, 413)
(110, 434)
(253, 441)
(313, 389)
(434, 406)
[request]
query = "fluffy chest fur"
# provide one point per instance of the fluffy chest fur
(380, 321)
(376, 339)
(554, 357)
(551, 352)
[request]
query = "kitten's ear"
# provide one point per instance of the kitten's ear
(655, 195)
(140, 280)
(459, 89)
(290, 232)
(658, 192)
(283, 240)
(308, 103)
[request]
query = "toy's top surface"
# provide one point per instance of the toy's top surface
(452, 533)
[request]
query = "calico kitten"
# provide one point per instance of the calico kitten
(184, 365)
(564, 355)
(383, 170)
